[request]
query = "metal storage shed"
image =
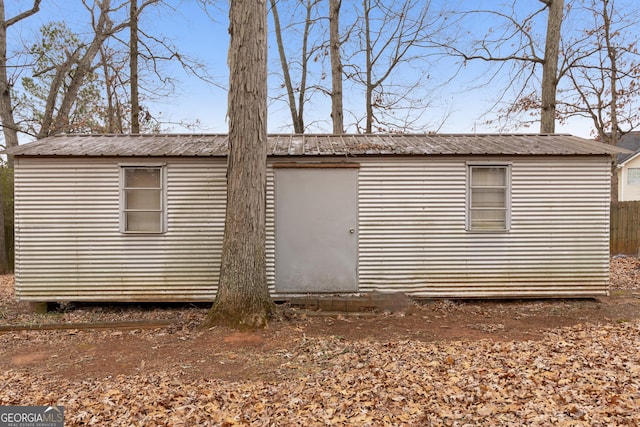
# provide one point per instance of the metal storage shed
(141, 217)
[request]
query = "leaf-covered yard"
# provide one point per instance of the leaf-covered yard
(531, 362)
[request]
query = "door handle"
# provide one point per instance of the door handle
(352, 230)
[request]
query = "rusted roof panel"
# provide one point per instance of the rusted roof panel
(317, 145)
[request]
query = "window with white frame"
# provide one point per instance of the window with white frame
(633, 176)
(142, 199)
(488, 199)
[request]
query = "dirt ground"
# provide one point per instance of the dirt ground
(567, 362)
(219, 353)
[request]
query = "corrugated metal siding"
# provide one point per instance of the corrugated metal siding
(68, 243)
(271, 229)
(413, 237)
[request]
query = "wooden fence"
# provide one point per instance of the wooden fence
(625, 228)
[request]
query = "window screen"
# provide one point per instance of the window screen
(633, 176)
(488, 204)
(142, 201)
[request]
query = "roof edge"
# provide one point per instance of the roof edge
(279, 144)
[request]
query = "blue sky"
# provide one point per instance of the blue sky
(204, 37)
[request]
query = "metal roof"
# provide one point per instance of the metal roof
(317, 145)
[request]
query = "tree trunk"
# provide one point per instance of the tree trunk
(50, 124)
(9, 127)
(337, 113)
(302, 93)
(550, 66)
(133, 64)
(109, 93)
(296, 118)
(242, 300)
(369, 65)
(612, 55)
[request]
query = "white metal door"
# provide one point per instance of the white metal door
(316, 230)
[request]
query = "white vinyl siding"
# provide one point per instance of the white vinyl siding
(628, 187)
(628, 180)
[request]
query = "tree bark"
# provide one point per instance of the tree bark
(242, 299)
(302, 93)
(109, 92)
(550, 66)
(296, 118)
(337, 113)
(103, 28)
(612, 55)
(133, 64)
(9, 127)
(366, 4)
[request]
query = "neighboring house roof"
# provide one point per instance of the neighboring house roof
(629, 141)
(316, 145)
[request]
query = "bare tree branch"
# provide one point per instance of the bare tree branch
(19, 17)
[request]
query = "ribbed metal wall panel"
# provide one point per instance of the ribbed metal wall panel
(412, 235)
(270, 230)
(68, 243)
(413, 238)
